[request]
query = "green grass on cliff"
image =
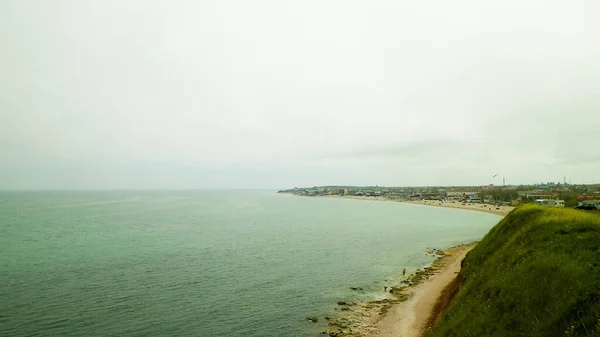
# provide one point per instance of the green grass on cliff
(536, 273)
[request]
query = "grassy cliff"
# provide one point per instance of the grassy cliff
(536, 273)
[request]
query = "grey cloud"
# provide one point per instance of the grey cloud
(270, 93)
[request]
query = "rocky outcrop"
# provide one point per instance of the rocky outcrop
(359, 318)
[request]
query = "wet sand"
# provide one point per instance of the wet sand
(409, 319)
(406, 312)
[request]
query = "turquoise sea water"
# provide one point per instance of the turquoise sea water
(204, 263)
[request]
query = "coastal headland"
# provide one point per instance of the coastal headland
(534, 274)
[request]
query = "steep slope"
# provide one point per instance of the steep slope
(536, 273)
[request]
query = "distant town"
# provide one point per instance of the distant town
(556, 194)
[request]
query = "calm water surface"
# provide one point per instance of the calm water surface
(204, 263)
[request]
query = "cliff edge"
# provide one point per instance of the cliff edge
(536, 273)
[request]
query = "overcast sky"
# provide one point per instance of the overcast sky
(279, 93)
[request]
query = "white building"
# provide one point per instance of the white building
(550, 202)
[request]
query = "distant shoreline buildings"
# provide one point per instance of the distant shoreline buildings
(561, 195)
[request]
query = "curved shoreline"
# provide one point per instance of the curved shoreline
(413, 306)
(410, 318)
(412, 309)
(407, 311)
(501, 210)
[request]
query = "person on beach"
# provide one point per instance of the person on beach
(384, 289)
(404, 272)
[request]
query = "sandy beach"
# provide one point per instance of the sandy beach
(501, 210)
(407, 312)
(409, 319)
(409, 309)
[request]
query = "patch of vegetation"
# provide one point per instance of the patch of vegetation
(536, 273)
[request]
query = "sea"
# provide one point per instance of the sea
(205, 262)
